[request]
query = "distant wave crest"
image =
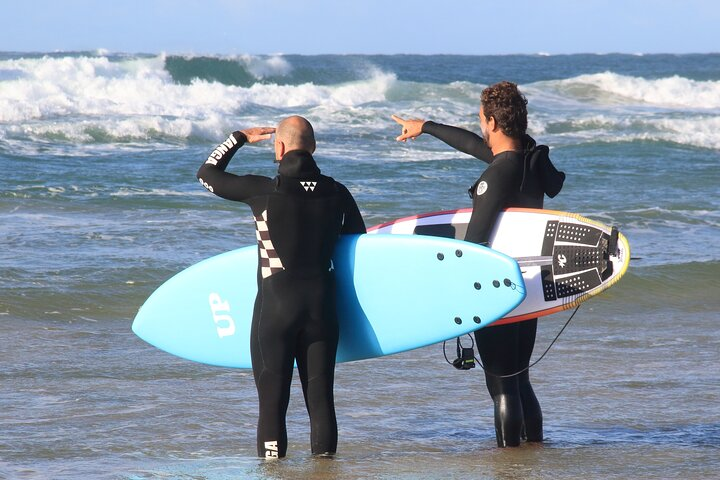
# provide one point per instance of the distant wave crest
(120, 100)
(673, 92)
(86, 98)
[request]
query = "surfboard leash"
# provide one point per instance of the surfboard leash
(466, 356)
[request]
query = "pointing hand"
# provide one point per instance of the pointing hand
(410, 128)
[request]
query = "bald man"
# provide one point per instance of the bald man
(299, 216)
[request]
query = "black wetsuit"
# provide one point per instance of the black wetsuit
(513, 179)
(299, 216)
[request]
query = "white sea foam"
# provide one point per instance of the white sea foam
(672, 92)
(698, 130)
(608, 107)
(130, 101)
(74, 97)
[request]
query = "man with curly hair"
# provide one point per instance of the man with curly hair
(519, 174)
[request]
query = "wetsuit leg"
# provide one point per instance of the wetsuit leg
(532, 414)
(273, 337)
(498, 348)
(316, 349)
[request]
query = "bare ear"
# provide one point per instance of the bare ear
(492, 125)
(279, 150)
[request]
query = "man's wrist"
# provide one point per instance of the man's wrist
(240, 137)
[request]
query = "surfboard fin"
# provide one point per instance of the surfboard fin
(612, 248)
(613, 242)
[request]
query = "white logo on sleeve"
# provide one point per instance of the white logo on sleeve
(221, 150)
(207, 185)
(481, 188)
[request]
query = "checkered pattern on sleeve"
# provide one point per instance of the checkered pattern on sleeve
(270, 262)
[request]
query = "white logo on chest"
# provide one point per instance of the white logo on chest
(481, 188)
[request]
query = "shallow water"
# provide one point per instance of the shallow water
(621, 397)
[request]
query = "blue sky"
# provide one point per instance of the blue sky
(370, 26)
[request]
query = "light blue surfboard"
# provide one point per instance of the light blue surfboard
(395, 293)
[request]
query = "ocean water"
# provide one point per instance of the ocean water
(99, 205)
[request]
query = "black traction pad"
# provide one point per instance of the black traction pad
(579, 265)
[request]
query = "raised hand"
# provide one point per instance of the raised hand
(257, 134)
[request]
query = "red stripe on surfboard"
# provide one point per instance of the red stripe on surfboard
(528, 316)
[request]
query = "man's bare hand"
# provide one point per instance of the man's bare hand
(257, 134)
(410, 128)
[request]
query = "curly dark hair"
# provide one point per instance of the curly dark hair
(508, 106)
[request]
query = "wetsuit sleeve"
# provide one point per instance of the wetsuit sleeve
(352, 221)
(212, 174)
(460, 139)
(491, 195)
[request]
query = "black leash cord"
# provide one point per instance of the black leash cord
(459, 346)
(529, 366)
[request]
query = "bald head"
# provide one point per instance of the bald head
(294, 133)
